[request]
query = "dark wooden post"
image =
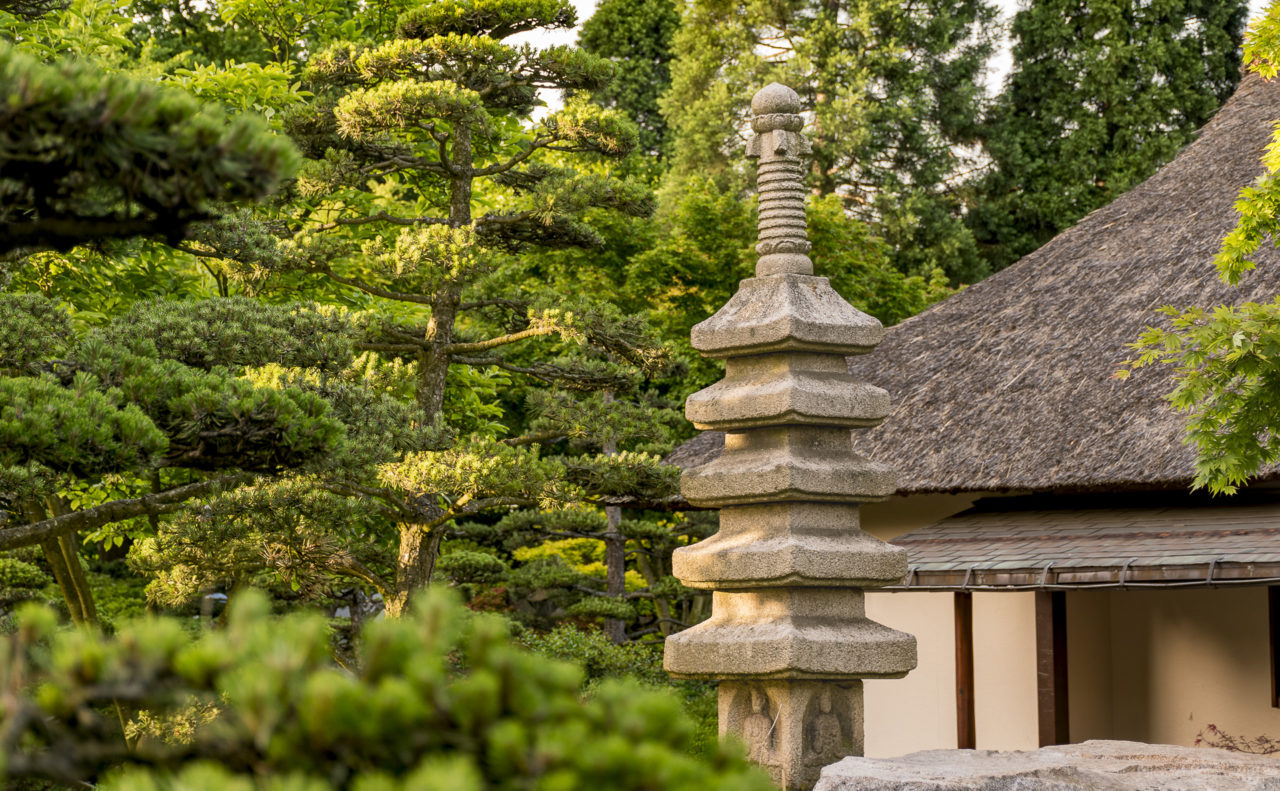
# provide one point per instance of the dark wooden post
(966, 724)
(1051, 666)
(1273, 617)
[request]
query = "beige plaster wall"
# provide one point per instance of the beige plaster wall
(916, 712)
(1185, 659)
(919, 712)
(1004, 671)
(1090, 682)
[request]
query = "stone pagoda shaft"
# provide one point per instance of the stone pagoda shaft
(788, 639)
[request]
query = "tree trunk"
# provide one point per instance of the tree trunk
(60, 552)
(414, 565)
(615, 552)
(433, 362)
(615, 563)
(418, 550)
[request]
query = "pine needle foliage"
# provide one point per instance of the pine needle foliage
(87, 156)
(433, 700)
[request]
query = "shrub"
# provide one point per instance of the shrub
(438, 699)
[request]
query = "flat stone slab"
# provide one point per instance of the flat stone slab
(1090, 766)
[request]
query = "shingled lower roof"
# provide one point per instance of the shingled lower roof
(1082, 545)
(1008, 385)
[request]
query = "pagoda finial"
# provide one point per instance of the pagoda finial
(779, 145)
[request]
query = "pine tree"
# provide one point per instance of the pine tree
(71, 170)
(153, 411)
(896, 92)
(1102, 93)
(636, 36)
(86, 416)
(426, 184)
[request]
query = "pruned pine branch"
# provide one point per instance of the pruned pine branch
(542, 141)
(572, 378)
(382, 216)
(115, 511)
(377, 291)
(502, 340)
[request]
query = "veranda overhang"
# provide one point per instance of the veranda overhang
(1007, 546)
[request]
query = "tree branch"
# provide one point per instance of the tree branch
(493, 343)
(114, 511)
(369, 288)
(382, 216)
(503, 167)
(530, 439)
(389, 348)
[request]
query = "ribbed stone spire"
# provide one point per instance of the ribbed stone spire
(787, 638)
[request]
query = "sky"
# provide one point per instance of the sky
(1000, 64)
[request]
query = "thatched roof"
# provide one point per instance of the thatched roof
(1008, 385)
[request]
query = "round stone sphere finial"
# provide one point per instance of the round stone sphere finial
(775, 98)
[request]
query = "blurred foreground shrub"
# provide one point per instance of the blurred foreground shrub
(439, 699)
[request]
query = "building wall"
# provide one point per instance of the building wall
(916, 712)
(1090, 681)
(1180, 661)
(1004, 671)
(1154, 666)
(919, 712)
(1148, 665)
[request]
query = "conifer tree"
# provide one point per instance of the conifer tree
(896, 91)
(427, 179)
(93, 156)
(89, 156)
(1102, 93)
(152, 411)
(636, 36)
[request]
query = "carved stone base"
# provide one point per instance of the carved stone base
(794, 728)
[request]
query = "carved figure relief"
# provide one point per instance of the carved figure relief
(827, 741)
(757, 729)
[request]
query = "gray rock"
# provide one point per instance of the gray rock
(1091, 766)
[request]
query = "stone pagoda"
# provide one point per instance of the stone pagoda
(788, 639)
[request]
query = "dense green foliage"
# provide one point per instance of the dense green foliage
(1102, 93)
(896, 92)
(435, 700)
(96, 157)
(636, 36)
